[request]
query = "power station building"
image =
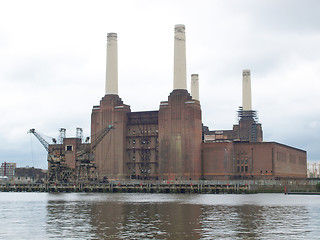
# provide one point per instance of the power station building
(171, 143)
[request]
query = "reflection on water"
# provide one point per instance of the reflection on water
(158, 216)
(123, 220)
(254, 222)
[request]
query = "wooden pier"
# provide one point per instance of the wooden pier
(128, 187)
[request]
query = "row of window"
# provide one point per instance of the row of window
(242, 169)
(145, 158)
(147, 171)
(144, 141)
(245, 169)
(143, 131)
(242, 161)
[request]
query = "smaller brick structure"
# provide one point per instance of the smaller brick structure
(245, 160)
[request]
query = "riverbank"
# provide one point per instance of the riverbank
(199, 187)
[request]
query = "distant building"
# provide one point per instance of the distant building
(29, 175)
(7, 170)
(313, 170)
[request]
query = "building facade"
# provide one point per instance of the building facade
(8, 170)
(172, 144)
(313, 170)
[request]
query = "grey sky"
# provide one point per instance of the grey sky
(53, 56)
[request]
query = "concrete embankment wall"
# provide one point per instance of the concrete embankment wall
(201, 187)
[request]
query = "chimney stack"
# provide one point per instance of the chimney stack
(195, 86)
(179, 79)
(112, 65)
(246, 91)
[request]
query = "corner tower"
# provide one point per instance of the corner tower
(110, 155)
(180, 125)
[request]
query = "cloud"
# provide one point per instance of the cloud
(53, 59)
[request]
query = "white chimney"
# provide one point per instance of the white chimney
(112, 64)
(195, 86)
(246, 91)
(179, 78)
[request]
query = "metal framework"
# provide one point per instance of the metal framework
(79, 133)
(85, 158)
(249, 116)
(145, 149)
(58, 170)
(62, 135)
(85, 167)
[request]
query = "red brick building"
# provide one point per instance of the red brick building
(248, 160)
(171, 143)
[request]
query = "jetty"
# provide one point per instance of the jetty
(166, 186)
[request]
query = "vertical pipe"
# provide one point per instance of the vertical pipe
(179, 72)
(195, 86)
(5, 169)
(272, 163)
(112, 65)
(246, 90)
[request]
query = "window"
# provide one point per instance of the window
(69, 147)
(246, 168)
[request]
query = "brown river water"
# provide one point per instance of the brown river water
(158, 216)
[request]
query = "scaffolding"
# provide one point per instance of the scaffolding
(145, 144)
(142, 145)
(250, 116)
(247, 114)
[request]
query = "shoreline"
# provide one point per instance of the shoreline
(162, 187)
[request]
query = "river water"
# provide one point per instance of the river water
(158, 216)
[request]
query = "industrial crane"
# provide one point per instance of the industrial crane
(58, 170)
(85, 157)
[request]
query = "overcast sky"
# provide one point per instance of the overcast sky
(53, 57)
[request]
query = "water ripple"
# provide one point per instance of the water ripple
(158, 216)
